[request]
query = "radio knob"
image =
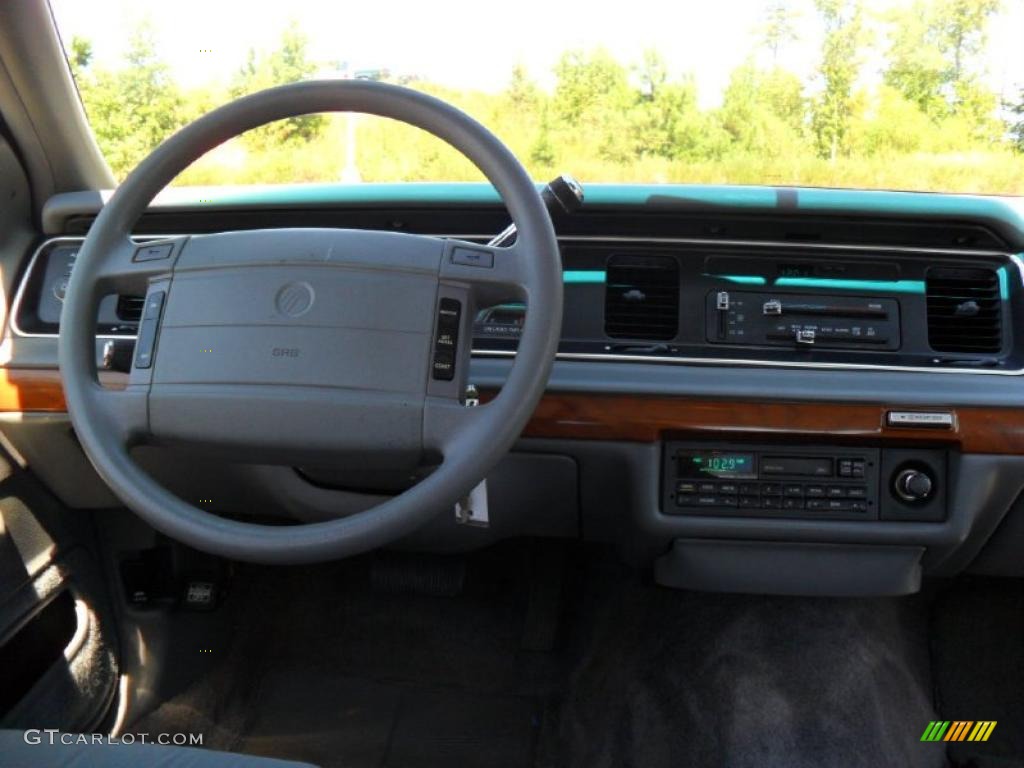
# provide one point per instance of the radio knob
(913, 485)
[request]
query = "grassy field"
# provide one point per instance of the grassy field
(386, 151)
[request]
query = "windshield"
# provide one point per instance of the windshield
(890, 94)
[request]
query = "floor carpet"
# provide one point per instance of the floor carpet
(329, 668)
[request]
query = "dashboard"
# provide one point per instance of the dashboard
(690, 301)
(780, 305)
(772, 376)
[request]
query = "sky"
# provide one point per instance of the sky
(469, 44)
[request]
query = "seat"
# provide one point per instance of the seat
(17, 751)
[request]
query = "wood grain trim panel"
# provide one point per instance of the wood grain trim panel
(40, 389)
(651, 418)
(646, 419)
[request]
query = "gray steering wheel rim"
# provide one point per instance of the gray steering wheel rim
(485, 440)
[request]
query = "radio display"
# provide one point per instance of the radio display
(723, 464)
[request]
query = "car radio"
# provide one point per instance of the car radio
(771, 481)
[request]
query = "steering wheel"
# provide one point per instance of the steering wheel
(294, 346)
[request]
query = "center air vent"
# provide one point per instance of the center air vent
(129, 308)
(964, 310)
(641, 298)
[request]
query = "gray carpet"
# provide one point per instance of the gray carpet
(674, 678)
(978, 654)
(329, 670)
(326, 669)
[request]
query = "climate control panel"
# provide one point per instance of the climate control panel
(802, 320)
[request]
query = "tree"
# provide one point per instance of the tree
(289, 63)
(840, 65)
(133, 108)
(763, 112)
(1017, 128)
(890, 125)
(961, 25)
(917, 68)
(80, 55)
(522, 91)
(543, 150)
(932, 52)
(589, 85)
(653, 73)
(778, 28)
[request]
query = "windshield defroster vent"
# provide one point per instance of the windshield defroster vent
(641, 298)
(965, 311)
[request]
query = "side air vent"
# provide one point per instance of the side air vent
(641, 299)
(129, 308)
(964, 310)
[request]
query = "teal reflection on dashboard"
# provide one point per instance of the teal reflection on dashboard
(741, 279)
(577, 276)
(830, 283)
(889, 286)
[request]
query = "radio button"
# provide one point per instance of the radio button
(857, 492)
(792, 503)
(835, 491)
(686, 499)
(727, 501)
(837, 505)
(815, 491)
(706, 487)
(729, 488)
(686, 487)
(751, 488)
(793, 490)
(749, 502)
(705, 500)
(771, 489)
(771, 502)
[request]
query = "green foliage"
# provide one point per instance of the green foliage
(763, 112)
(522, 90)
(961, 30)
(840, 65)
(930, 62)
(652, 72)
(917, 67)
(133, 108)
(930, 124)
(1017, 127)
(80, 55)
(542, 152)
(779, 28)
(591, 88)
(289, 63)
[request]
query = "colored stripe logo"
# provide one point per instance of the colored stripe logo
(958, 730)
